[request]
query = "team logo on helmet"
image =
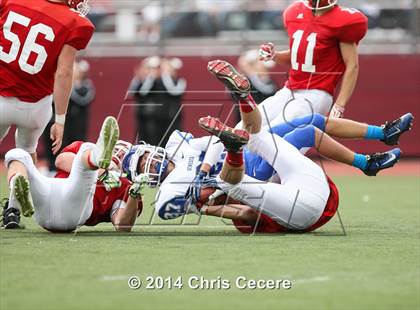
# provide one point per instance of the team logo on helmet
(319, 4)
(80, 6)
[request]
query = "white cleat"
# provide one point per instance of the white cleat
(108, 137)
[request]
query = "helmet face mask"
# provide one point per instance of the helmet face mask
(316, 5)
(80, 6)
(155, 164)
(121, 149)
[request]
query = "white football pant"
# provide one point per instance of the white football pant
(30, 120)
(60, 204)
(286, 105)
(300, 199)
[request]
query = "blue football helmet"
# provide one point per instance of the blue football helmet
(155, 166)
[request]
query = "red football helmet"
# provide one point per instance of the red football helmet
(319, 4)
(80, 6)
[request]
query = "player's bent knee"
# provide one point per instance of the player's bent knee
(18, 155)
(302, 137)
(319, 121)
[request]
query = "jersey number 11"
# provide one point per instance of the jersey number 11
(308, 66)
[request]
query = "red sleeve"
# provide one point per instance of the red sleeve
(353, 33)
(80, 36)
(123, 190)
(73, 148)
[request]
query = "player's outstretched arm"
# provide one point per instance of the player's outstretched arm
(282, 57)
(350, 56)
(62, 90)
(124, 218)
(232, 212)
(267, 53)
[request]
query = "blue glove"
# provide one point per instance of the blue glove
(202, 180)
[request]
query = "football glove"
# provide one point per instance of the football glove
(337, 111)
(267, 51)
(110, 180)
(138, 187)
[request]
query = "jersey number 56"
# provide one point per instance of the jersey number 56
(29, 45)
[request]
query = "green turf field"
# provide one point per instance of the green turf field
(374, 266)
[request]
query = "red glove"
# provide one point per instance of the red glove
(267, 51)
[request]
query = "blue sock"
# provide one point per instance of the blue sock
(374, 133)
(360, 161)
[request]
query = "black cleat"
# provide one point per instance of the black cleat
(10, 216)
(393, 130)
(381, 161)
(233, 139)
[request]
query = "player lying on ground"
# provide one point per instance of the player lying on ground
(39, 40)
(177, 166)
(73, 198)
(388, 133)
(305, 198)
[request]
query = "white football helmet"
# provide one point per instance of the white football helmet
(155, 166)
(80, 6)
(319, 4)
(120, 150)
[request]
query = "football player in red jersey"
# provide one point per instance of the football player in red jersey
(38, 45)
(74, 197)
(323, 49)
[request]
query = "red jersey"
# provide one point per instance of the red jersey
(103, 201)
(314, 44)
(32, 35)
(269, 226)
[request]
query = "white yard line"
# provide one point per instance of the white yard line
(311, 280)
(114, 278)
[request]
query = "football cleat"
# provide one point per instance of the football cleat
(20, 193)
(10, 216)
(233, 139)
(381, 161)
(393, 130)
(108, 137)
(227, 74)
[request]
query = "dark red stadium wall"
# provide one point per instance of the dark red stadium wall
(388, 86)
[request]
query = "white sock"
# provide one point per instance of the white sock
(13, 203)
